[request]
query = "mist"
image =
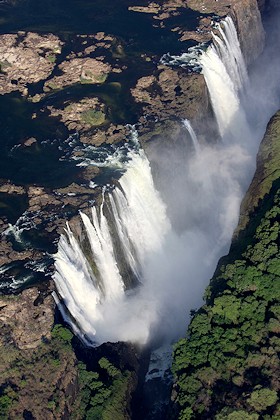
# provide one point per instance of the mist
(173, 215)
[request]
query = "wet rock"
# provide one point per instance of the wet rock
(30, 141)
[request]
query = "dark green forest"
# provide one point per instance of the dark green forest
(227, 367)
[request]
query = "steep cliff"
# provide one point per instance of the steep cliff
(248, 19)
(267, 172)
(35, 361)
(228, 367)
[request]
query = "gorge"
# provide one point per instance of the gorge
(130, 268)
(132, 222)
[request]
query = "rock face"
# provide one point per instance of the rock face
(263, 4)
(247, 17)
(172, 92)
(267, 172)
(250, 29)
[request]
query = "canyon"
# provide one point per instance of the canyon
(41, 70)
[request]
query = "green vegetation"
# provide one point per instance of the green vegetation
(51, 58)
(4, 65)
(228, 365)
(93, 78)
(93, 117)
(62, 334)
(48, 382)
(103, 394)
(37, 379)
(51, 86)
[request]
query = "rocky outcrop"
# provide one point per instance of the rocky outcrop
(81, 116)
(26, 58)
(246, 14)
(79, 70)
(172, 92)
(89, 118)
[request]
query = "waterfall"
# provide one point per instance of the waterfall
(131, 275)
(225, 73)
(191, 132)
(228, 47)
(131, 217)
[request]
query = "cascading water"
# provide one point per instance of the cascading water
(228, 48)
(134, 220)
(225, 73)
(191, 132)
(129, 239)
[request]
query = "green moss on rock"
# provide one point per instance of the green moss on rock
(93, 117)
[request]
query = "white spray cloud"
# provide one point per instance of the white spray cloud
(175, 264)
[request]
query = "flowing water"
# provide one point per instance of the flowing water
(130, 225)
(131, 239)
(191, 132)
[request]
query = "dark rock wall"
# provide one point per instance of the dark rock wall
(250, 29)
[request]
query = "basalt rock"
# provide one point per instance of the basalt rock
(79, 70)
(172, 92)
